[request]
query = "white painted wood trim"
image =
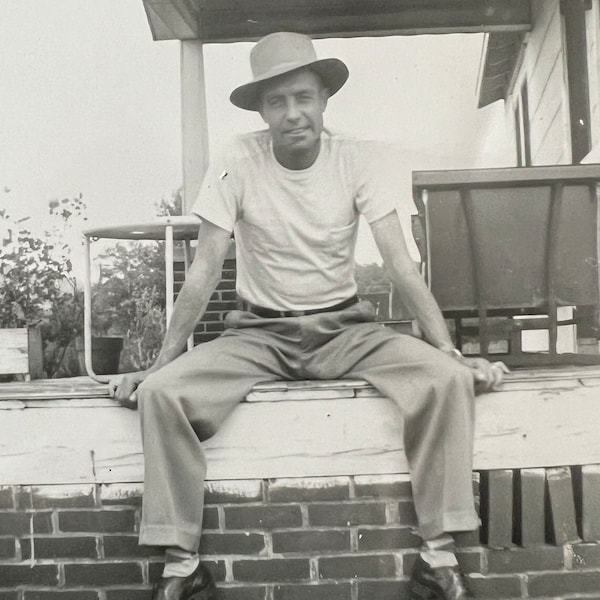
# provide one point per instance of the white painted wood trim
(194, 121)
(78, 442)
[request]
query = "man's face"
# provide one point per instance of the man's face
(292, 106)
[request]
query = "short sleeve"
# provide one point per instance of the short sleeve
(379, 179)
(218, 200)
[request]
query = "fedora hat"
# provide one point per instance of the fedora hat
(284, 52)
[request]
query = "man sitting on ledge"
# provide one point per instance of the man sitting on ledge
(293, 194)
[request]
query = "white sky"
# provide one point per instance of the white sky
(89, 103)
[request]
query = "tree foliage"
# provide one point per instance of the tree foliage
(129, 299)
(37, 286)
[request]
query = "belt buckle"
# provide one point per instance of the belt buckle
(297, 313)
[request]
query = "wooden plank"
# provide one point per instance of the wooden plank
(590, 509)
(308, 395)
(499, 508)
(527, 429)
(550, 373)
(522, 379)
(35, 353)
(250, 20)
(61, 445)
(312, 384)
(508, 176)
(562, 505)
(293, 439)
(351, 439)
(243, 21)
(51, 389)
(171, 20)
(532, 488)
(14, 347)
(544, 48)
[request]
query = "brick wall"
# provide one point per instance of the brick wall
(335, 538)
(223, 300)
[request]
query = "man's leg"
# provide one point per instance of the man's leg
(435, 394)
(181, 405)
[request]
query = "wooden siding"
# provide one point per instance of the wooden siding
(546, 76)
(593, 39)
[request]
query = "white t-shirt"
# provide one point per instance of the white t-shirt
(296, 231)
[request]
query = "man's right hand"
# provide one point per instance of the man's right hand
(123, 388)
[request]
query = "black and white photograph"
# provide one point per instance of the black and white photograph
(299, 299)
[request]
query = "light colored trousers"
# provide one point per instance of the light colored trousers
(187, 400)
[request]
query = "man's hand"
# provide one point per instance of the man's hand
(123, 388)
(488, 376)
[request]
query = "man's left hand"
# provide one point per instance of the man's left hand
(488, 376)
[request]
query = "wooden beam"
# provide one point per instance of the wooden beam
(245, 20)
(73, 442)
(577, 75)
(172, 19)
(236, 20)
(194, 125)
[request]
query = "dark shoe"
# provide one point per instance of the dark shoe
(443, 583)
(197, 586)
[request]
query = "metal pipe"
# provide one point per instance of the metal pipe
(87, 314)
(186, 265)
(169, 275)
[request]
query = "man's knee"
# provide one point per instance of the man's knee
(457, 373)
(155, 392)
(161, 399)
(151, 386)
(454, 385)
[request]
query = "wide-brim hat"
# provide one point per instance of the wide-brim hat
(284, 52)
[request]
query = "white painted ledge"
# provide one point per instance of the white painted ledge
(538, 420)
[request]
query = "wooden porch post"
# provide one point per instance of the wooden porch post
(194, 120)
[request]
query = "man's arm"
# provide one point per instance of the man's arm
(419, 300)
(201, 280)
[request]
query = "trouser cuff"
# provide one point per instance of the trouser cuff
(449, 523)
(165, 535)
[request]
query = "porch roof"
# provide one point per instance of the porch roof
(247, 20)
(500, 58)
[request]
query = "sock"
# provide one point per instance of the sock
(439, 552)
(180, 563)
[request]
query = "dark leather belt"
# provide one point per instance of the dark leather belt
(270, 313)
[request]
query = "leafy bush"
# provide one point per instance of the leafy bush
(37, 286)
(129, 300)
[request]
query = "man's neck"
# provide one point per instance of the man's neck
(297, 161)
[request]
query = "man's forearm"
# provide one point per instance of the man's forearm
(408, 281)
(421, 305)
(200, 282)
(187, 311)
